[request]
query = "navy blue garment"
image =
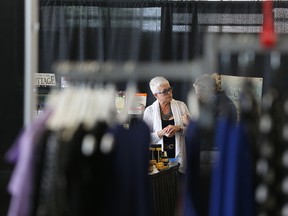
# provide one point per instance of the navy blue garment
(191, 190)
(218, 172)
(131, 195)
(239, 193)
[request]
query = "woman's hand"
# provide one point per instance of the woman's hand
(170, 130)
(186, 119)
(161, 133)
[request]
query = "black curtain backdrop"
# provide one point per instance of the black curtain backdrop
(148, 31)
(95, 30)
(142, 30)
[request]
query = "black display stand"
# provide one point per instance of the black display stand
(164, 191)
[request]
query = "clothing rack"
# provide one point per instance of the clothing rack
(129, 71)
(32, 27)
(245, 44)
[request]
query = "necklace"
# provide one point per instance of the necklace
(166, 116)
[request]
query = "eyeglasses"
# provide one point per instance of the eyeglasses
(166, 91)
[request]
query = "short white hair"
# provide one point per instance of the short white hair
(206, 81)
(156, 82)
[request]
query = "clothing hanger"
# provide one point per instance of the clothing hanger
(61, 102)
(80, 103)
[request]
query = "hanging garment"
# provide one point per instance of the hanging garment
(191, 192)
(232, 183)
(131, 187)
(47, 179)
(239, 191)
(218, 172)
(89, 174)
(21, 154)
(102, 181)
(270, 158)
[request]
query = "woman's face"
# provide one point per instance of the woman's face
(164, 95)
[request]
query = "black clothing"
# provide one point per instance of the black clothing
(169, 142)
(224, 107)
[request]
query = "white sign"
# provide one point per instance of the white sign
(44, 79)
(233, 86)
(138, 104)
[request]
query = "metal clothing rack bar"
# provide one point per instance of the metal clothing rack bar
(129, 71)
(240, 43)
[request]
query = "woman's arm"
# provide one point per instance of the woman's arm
(148, 119)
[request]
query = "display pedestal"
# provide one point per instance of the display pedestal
(164, 191)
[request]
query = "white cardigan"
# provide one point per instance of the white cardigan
(152, 118)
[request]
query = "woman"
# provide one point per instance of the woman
(165, 118)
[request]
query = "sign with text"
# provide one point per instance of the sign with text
(138, 104)
(233, 86)
(44, 79)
